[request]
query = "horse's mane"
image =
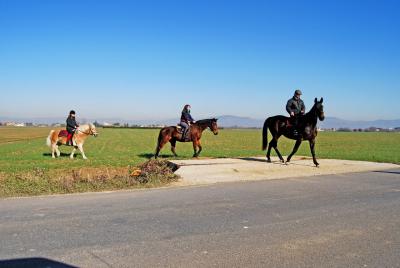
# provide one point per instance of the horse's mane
(205, 121)
(85, 127)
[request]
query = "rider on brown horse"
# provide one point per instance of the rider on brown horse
(186, 120)
(296, 108)
(71, 127)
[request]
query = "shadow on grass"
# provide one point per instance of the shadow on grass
(61, 154)
(33, 263)
(150, 156)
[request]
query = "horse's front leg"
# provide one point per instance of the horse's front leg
(72, 153)
(80, 146)
(295, 148)
(312, 147)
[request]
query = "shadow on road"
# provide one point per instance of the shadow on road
(253, 159)
(388, 171)
(33, 263)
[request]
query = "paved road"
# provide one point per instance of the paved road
(348, 220)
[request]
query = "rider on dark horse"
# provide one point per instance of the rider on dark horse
(296, 108)
(71, 127)
(186, 120)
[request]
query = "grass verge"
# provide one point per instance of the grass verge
(41, 181)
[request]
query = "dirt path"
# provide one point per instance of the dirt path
(208, 171)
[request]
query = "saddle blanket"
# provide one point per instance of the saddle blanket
(63, 133)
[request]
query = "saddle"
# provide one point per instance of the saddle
(180, 129)
(63, 133)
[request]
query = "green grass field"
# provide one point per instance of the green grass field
(23, 153)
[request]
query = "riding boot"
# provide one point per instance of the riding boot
(184, 134)
(295, 122)
(71, 141)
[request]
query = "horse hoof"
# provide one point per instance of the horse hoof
(269, 161)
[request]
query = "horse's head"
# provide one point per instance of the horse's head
(319, 108)
(92, 130)
(214, 126)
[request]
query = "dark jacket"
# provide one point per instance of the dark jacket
(295, 106)
(186, 117)
(71, 124)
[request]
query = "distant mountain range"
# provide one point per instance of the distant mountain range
(223, 121)
(329, 122)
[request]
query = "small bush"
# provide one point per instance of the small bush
(156, 172)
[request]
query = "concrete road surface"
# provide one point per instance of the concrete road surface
(216, 170)
(350, 220)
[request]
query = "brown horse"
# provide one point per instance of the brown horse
(172, 134)
(307, 126)
(54, 139)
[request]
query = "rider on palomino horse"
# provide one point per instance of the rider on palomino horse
(186, 120)
(71, 127)
(296, 108)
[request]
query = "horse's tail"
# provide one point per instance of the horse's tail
(160, 136)
(48, 140)
(265, 135)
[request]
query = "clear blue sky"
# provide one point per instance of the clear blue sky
(146, 59)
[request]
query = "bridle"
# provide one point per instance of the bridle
(87, 133)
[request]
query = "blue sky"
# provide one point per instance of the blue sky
(146, 59)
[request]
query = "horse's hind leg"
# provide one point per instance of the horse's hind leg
(53, 150)
(275, 146)
(160, 146)
(195, 154)
(200, 148)
(295, 148)
(58, 151)
(173, 144)
(269, 153)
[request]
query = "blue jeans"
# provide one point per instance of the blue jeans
(185, 127)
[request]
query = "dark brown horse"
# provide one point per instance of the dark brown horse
(307, 128)
(172, 134)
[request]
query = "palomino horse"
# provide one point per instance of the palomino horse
(54, 139)
(172, 135)
(307, 126)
